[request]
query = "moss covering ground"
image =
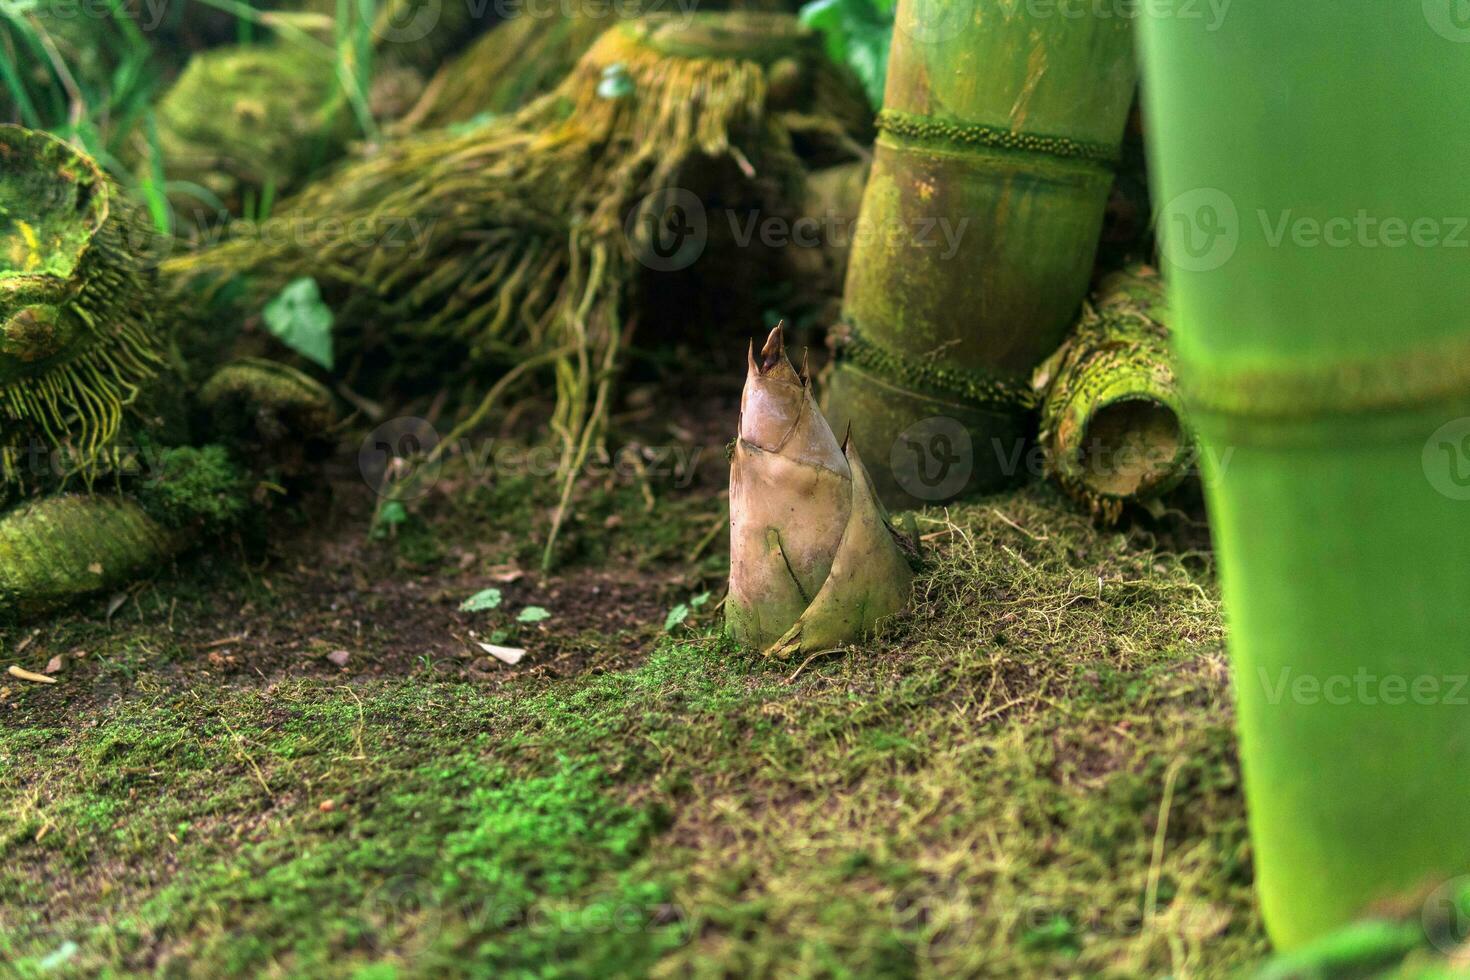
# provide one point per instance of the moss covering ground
(1033, 776)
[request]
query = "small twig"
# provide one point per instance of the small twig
(1156, 862)
(722, 520)
(819, 653)
(361, 723)
(1018, 527)
(242, 754)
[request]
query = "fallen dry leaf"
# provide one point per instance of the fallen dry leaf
(53, 666)
(28, 675)
(339, 657)
(506, 655)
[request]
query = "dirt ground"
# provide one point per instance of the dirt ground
(289, 755)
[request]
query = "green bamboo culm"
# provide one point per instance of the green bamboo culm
(1317, 275)
(1112, 419)
(79, 302)
(980, 221)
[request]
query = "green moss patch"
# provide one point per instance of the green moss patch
(1035, 775)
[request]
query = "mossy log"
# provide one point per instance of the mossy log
(59, 548)
(527, 56)
(505, 68)
(248, 121)
(981, 219)
(537, 233)
(1112, 418)
(92, 397)
(80, 334)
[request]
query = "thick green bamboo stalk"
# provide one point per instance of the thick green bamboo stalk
(1112, 423)
(1000, 125)
(1309, 159)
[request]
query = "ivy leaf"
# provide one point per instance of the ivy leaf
(699, 600)
(481, 601)
(677, 615)
(302, 321)
(533, 614)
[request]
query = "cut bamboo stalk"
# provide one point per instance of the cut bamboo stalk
(1310, 182)
(1112, 426)
(979, 226)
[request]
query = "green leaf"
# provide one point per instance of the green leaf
(856, 33)
(677, 615)
(533, 614)
(481, 601)
(699, 600)
(302, 321)
(392, 515)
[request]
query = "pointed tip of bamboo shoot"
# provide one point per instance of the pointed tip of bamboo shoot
(774, 350)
